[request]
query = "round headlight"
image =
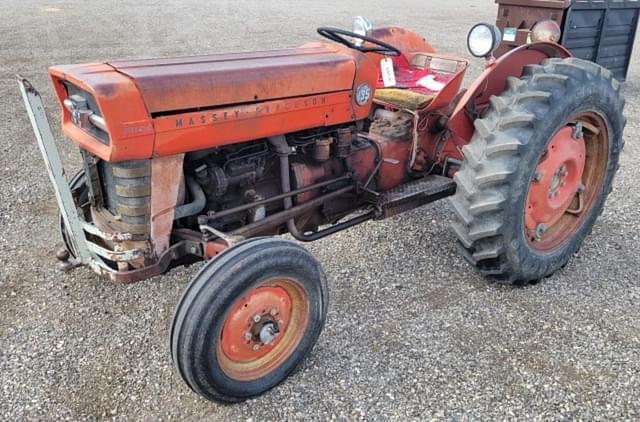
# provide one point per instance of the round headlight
(546, 31)
(363, 94)
(483, 40)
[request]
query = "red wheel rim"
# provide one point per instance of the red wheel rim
(262, 329)
(567, 180)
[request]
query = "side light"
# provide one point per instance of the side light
(546, 31)
(483, 40)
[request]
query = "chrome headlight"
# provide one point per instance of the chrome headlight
(483, 40)
(84, 112)
(546, 31)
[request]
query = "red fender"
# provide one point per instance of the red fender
(493, 82)
(405, 40)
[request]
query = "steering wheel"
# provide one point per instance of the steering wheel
(342, 37)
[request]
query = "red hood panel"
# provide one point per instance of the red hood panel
(180, 84)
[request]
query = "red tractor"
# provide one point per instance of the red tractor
(207, 157)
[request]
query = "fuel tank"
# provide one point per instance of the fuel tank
(137, 109)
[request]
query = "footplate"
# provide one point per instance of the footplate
(415, 194)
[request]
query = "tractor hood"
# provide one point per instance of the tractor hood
(136, 109)
(179, 84)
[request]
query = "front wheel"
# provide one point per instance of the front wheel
(248, 318)
(538, 169)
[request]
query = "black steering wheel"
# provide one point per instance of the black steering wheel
(342, 37)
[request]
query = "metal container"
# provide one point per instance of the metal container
(602, 31)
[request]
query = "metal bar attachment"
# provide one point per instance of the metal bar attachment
(51, 157)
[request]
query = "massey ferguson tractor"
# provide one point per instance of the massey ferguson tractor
(207, 158)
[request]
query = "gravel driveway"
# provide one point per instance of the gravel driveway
(412, 331)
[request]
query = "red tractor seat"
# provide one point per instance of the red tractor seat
(417, 83)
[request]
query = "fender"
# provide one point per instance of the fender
(493, 82)
(405, 40)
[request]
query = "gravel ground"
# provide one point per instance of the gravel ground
(412, 331)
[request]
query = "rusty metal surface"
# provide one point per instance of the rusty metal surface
(416, 193)
(266, 225)
(215, 100)
(128, 124)
(172, 84)
(405, 40)
(493, 82)
(523, 16)
(164, 263)
(166, 177)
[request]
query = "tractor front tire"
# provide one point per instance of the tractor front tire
(538, 170)
(248, 319)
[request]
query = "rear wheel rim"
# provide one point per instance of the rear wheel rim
(262, 329)
(567, 181)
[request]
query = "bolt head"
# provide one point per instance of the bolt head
(248, 336)
(63, 254)
(256, 318)
(256, 347)
(274, 312)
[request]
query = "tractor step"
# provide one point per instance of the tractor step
(415, 194)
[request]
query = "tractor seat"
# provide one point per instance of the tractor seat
(404, 98)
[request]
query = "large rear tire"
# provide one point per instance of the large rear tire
(538, 169)
(248, 319)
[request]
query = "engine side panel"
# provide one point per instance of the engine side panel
(236, 124)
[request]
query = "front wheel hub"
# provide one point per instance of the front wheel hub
(557, 180)
(254, 325)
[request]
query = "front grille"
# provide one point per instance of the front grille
(73, 92)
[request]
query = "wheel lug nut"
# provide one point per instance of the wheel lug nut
(256, 347)
(274, 312)
(280, 322)
(540, 229)
(256, 318)
(248, 336)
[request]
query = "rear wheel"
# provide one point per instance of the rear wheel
(538, 169)
(248, 319)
